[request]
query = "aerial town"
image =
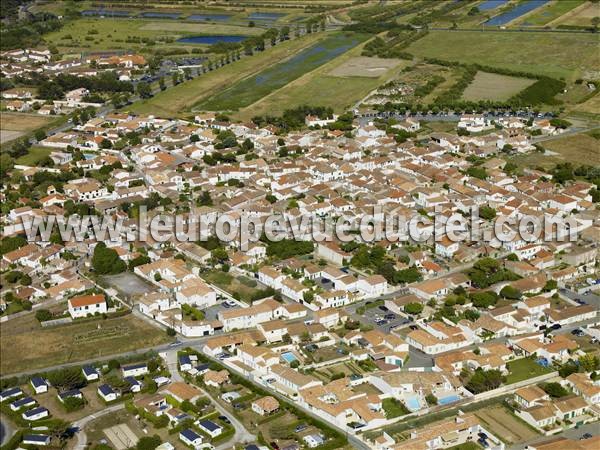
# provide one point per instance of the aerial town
(300, 225)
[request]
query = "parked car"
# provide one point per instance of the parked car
(586, 436)
(556, 326)
(577, 332)
(225, 419)
(383, 308)
(300, 428)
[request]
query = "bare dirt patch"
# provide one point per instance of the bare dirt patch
(505, 426)
(9, 135)
(363, 66)
(492, 86)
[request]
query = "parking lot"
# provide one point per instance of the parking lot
(383, 319)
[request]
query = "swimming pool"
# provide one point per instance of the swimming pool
(412, 402)
(491, 4)
(448, 399)
(289, 357)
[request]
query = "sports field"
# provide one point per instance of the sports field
(177, 100)
(557, 55)
(492, 86)
(253, 88)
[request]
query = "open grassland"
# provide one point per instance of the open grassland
(591, 106)
(25, 345)
(549, 12)
(253, 88)
(364, 66)
(581, 16)
(506, 426)
(176, 100)
(577, 148)
(493, 86)
(15, 125)
(24, 122)
(96, 34)
(552, 54)
(321, 87)
(34, 156)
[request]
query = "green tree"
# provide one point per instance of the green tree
(413, 308)
(148, 442)
(106, 260)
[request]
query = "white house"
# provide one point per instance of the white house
(135, 370)
(87, 305)
(190, 437)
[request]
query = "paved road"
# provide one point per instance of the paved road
(81, 424)
(242, 435)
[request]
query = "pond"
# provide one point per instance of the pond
(209, 17)
(105, 12)
(265, 16)
(160, 15)
(209, 40)
(491, 4)
(517, 11)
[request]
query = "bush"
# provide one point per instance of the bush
(413, 308)
(42, 315)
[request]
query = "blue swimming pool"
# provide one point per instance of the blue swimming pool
(517, 11)
(289, 357)
(491, 4)
(265, 16)
(412, 403)
(105, 13)
(211, 39)
(448, 399)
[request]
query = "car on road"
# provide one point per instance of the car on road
(577, 332)
(586, 436)
(556, 326)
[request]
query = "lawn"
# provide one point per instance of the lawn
(576, 148)
(523, 369)
(34, 156)
(176, 100)
(492, 86)
(572, 53)
(253, 88)
(551, 11)
(25, 345)
(393, 408)
(242, 288)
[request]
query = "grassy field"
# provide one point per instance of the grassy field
(15, 125)
(492, 86)
(252, 89)
(577, 148)
(326, 86)
(364, 66)
(524, 368)
(96, 34)
(35, 155)
(581, 16)
(505, 426)
(176, 100)
(572, 54)
(25, 345)
(549, 12)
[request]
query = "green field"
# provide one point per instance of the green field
(142, 35)
(338, 84)
(493, 86)
(25, 345)
(581, 16)
(550, 12)
(557, 55)
(34, 156)
(176, 100)
(577, 148)
(524, 368)
(251, 89)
